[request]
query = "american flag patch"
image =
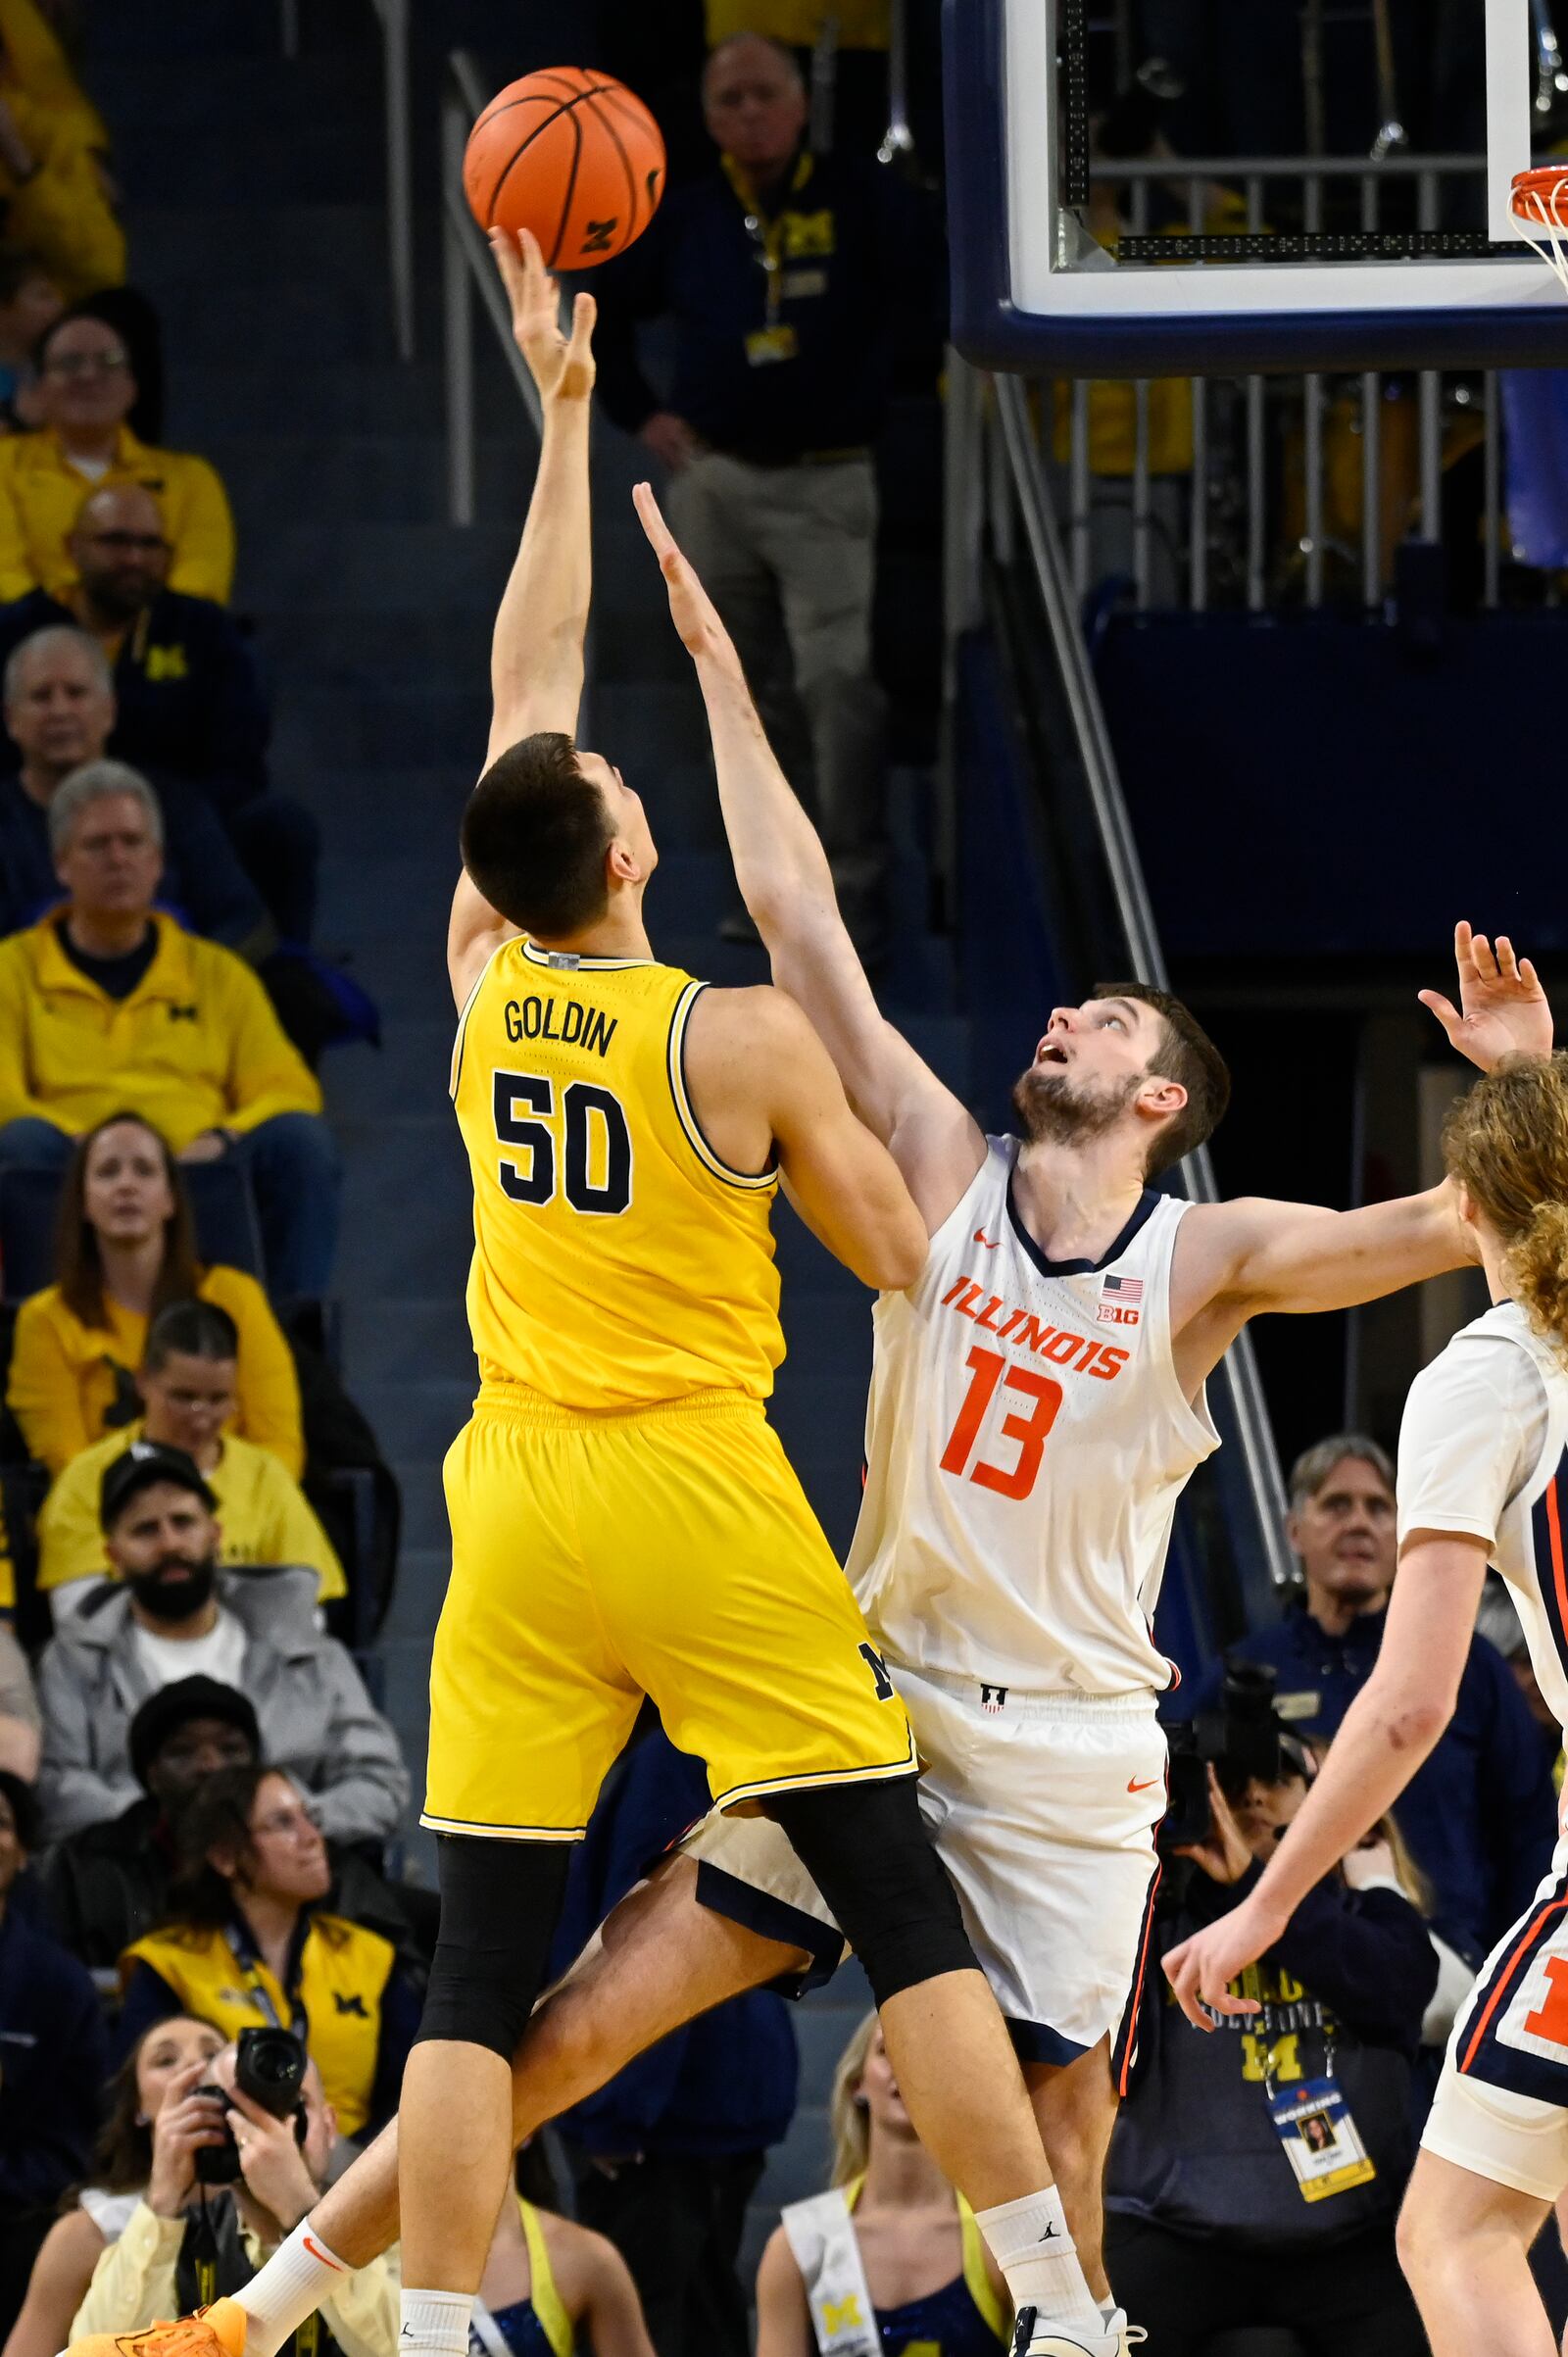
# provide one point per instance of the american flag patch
(1119, 1297)
(1126, 1289)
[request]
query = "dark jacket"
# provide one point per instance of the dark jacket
(107, 1885)
(1195, 2150)
(189, 701)
(52, 2061)
(1480, 1815)
(203, 882)
(862, 296)
(728, 2083)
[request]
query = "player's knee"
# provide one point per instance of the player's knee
(866, 1850)
(498, 1905)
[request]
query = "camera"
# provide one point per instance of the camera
(269, 2070)
(1241, 1738)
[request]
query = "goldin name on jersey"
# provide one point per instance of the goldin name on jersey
(1058, 1343)
(567, 1021)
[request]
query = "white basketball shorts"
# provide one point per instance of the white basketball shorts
(1502, 2105)
(1043, 1809)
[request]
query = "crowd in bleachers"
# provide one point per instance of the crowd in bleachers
(200, 1802)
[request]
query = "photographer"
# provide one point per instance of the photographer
(1254, 2176)
(190, 2241)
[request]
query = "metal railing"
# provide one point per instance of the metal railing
(999, 495)
(465, 267)
(1236, 446)
(393, 18)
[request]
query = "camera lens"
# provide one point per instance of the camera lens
(269, 2068)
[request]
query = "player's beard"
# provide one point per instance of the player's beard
(1051, 1109)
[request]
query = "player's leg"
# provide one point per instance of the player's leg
(658, 1961)
(1075, 2107)
(1464, 2244)
(528, 1707)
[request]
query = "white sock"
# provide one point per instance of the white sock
(287, 2289)
(1030, 2243)
(434, 2321)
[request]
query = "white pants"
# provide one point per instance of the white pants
(1043, 1809)
(1502, 2105)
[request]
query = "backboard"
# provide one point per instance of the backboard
(1070, 259)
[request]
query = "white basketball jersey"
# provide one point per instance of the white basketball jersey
(1026, 1444)
(1481, 1454)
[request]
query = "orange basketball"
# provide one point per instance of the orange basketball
(570, 155)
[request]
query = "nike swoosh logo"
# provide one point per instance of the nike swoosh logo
(316, 2252)
(1145, 1784)
(981, 1237)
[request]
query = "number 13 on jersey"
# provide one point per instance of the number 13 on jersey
(1026, 1428)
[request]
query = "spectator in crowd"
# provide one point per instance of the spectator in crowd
(151, 2268)
(52, 2062)
(20, 1722)
(107, 1885)
(187, 701)
(249, 1943)
(174, 1614)
(189, 1388)
(147, 2135)
(55, 193)
(60, 707)
(891, 2234)
(29, 302)
(670, 2154)
(1480, 1817)
(87, 390)
(106, 1001)
(128, 1249)
(550, 2286)
(1255, 2174)
(802, 287)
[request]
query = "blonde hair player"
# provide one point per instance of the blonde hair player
(1483, 1478)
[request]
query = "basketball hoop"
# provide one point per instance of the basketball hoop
(1539, 204)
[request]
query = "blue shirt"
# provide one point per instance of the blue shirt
(54, 2059)
(1480, 1815)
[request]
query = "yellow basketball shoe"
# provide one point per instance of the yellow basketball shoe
(215, 2332)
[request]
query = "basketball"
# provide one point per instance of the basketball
(571, 155)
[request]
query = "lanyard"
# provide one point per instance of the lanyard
(767, 237)
(251, 1968)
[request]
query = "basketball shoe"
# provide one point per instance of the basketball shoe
(215, 2332)
(1035, 2335)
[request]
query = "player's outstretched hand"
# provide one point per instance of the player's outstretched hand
(1201, 1968)
(562, 365)
(1503, 1009)
(691, 608)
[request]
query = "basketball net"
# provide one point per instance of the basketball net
(1540, 205)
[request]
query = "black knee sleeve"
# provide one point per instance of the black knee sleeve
(866, 1850)
(500, 1901)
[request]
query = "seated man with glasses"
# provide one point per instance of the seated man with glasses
(85, 392)
(187, 701)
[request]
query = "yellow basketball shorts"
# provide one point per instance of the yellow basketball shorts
(667, 1552)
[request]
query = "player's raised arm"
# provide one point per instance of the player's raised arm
(536, 659)
(786, 883)
(1250, 1255)
(760, 1083)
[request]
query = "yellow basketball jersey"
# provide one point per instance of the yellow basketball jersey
(617, 1262)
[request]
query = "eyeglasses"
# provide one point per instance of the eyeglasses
(87, 363)
(140, 544)
(287, 1821)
